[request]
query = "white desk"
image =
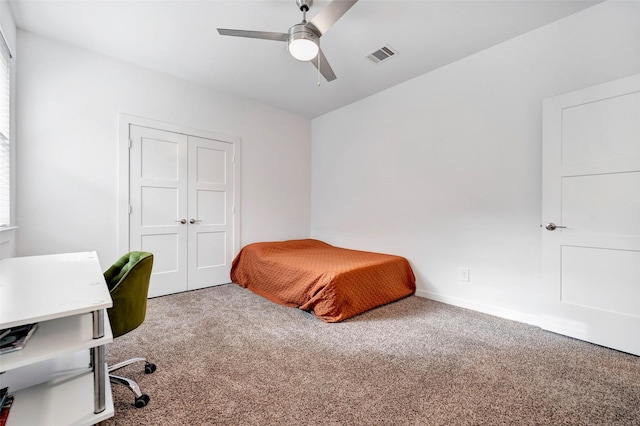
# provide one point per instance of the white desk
(67, 296)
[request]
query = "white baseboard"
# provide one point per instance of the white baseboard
(481, 307)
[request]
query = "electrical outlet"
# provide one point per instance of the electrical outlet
(464, 274)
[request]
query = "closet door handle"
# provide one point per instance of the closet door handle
(182, 221)
(192, 221)
(552, 226)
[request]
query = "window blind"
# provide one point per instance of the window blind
(5, 130)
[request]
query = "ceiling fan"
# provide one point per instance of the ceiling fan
(303, 39)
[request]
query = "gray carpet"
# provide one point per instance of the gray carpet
(228, 357)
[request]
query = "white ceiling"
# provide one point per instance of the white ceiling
(179, 37)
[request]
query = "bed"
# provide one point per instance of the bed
(331, 282)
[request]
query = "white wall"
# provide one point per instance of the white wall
(446, 169)
(68, 105)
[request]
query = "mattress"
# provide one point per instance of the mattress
(331, 282)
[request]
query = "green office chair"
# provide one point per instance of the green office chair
(128, 282)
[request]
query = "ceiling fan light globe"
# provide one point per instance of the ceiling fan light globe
(303, 49)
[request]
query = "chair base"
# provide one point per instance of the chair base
(141, 399)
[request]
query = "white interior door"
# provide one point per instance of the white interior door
(591, 187)
(158, 205)
(211, 215)
(182, 207)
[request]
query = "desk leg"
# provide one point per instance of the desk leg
(98, 361)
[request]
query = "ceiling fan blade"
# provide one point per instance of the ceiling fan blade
(265, 35)
(330, 14)
(324, 68)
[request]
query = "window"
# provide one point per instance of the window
(5, 137)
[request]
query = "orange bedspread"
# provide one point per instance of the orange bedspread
(334, 283)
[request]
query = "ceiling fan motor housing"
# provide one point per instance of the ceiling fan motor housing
(301, 31)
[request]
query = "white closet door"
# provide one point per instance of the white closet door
(211, 218)
(158, 200)
(591, 191)
(182, 195)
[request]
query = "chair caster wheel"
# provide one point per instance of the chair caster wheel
(149, 368)
(142, 401)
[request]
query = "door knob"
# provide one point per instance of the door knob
(182, 221)
(192, 221)
(552, 226)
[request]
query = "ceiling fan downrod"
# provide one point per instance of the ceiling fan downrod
(304, 6)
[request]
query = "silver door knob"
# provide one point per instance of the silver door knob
(552, 226)
(182, 221)
(192, 221)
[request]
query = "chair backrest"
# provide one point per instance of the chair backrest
(128, 281)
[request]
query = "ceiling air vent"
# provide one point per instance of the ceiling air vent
(385, 52)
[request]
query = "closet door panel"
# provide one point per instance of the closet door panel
(211, 211)
(158, 203)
